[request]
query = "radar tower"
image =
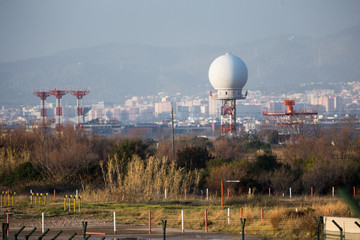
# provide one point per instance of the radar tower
(228, 75)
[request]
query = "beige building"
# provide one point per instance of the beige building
(161, 107)
(214, 105)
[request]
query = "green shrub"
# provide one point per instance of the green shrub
(25, 172)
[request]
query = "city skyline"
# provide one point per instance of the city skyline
(159, 106)
(290, 48)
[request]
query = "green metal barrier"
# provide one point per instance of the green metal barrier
(5, 227)
(31, 232)
(18, 232)
(84, 226)
(340, 228)
(319, 227)
(56, 235)
(242, 228)
(43, 235)
(357, 224)
(72, 236)
(164, 228)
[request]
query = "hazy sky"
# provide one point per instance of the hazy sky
(42, 27)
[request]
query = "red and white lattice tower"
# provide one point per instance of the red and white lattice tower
(228, 75)
(42, 95)
(58, 119)
(80, 113)
(290, 121)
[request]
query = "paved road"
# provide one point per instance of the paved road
(128, 232)
(71, 225)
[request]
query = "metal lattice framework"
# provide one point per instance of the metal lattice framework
(43, 96)
(59, 118)
(290, 121)
(228, 110)
(80, 112)
(228, 116)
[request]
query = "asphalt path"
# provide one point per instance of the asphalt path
(124, 231)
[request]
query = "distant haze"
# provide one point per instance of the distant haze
(36, 28)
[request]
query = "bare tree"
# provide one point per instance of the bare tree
(226, 148)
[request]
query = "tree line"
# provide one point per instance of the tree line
(133, 165)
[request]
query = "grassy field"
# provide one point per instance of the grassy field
(283, 218)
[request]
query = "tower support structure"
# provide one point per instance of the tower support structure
(59, 118)
(228, 109)
(42, 95)
(80, 112)
(290, 122)
(228, 116)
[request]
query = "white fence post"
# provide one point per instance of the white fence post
(228, 215)
(182, 221)
(114, 222)
(42, 222)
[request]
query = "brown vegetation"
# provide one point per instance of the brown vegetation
(129, 167)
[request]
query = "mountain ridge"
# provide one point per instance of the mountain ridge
(281, 64)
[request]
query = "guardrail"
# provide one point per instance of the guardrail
(7, 236)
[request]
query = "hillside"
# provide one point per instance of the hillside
(113, 71)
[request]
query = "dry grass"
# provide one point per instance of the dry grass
(251, 213)
(97, 195)
(276, 218)
(281, 220)
(146, 180)
(333, 208)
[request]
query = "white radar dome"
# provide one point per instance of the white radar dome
(228, 72)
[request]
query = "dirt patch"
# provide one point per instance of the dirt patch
(56, 222)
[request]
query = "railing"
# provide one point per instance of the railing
(6, 235)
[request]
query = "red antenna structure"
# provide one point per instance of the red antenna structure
(289, 121)
(42, 95)
(80, 113)
(58, 119)
(228, 116)
(290, 110)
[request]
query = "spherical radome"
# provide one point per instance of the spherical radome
(228, 72)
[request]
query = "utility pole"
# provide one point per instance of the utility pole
(172, 127)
